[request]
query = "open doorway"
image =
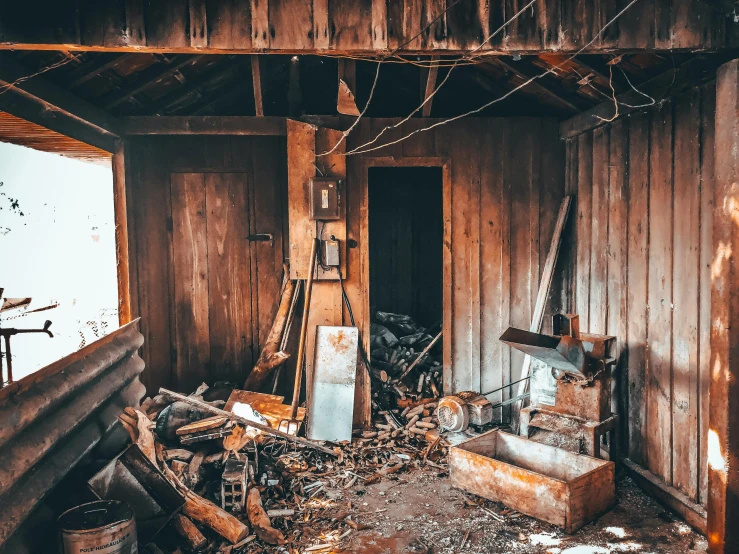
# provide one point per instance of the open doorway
(406, 232)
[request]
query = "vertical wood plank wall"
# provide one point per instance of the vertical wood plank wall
(207, 295)
(507, 180)
(640, 270)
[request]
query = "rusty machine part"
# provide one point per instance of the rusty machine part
(456, 412)
(6, 334)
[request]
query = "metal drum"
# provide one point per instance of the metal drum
(102, 527)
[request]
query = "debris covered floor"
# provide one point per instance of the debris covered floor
(421, 512)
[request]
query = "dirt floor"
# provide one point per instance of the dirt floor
(421, 512)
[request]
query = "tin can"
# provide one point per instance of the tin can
(102, 527)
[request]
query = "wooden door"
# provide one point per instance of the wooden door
(216, 333)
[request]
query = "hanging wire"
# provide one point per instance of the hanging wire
(362, 150)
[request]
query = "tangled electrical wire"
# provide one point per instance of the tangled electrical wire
(368, 146)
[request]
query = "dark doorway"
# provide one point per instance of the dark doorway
(406, 230)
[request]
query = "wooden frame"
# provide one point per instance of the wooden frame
(446, 193)
(121, 215)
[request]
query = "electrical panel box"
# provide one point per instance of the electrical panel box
(330, 253)
(325, 199)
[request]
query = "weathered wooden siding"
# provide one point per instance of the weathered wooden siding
(507, 180)
(641, 270)
(361, 26)
(194, 275)
(207, 295)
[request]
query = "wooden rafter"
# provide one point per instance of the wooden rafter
(212, 75)
(35, 98)
(92, 69)
(538, 86)
(147, 78)
(256, 79)
(691, 73)
(430, 86)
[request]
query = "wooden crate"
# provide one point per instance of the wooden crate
(548, 483)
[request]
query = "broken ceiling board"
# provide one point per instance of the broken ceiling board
(331, 402)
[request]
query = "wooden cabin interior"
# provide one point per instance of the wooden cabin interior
(474, 121)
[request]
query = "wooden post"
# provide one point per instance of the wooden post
(121, 232)
(723, 420)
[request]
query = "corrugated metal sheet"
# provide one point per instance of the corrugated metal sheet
(15, 130)
(54, 418)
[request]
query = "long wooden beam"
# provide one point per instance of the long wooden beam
(430, 86)
(692, 73)
(35, 99)
(256, 79)
(539, 87)
(204, 125)
(723, 411)
(298, 26)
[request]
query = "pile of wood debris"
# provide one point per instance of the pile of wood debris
(405, 363)
(292, 497)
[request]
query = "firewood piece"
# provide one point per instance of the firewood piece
(391, 421)
(421, 381)
(188, 531)
(384, 472)
(281, 512)
(220, 521)
(425, 425)
(204, 511)
(178, 454)
(259, 520)
(418, 431)
(271, 357)
(411, 422)
(369, 434)
(193, 471)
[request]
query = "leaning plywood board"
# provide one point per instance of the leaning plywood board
(548, 483)
(331, 402)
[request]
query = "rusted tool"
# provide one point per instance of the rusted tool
(291, 426)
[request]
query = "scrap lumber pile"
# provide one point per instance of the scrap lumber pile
(405, 360)
(247, 490)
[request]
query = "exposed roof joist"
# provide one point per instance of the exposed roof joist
(44, 103)
(691, 73)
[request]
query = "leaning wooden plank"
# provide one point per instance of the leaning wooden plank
(541, 299)
(271, 355)
(207, 407)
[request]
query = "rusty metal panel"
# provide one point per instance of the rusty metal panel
(331, 405)
(54, 418)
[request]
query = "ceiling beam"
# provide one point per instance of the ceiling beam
(433, 72)
(42, 102)
(256, 79)
(204, 125)
(537, 86)
(92, 69)
(694, 72)
(146, 79)
(177, 95)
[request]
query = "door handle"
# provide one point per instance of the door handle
(260, 237)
